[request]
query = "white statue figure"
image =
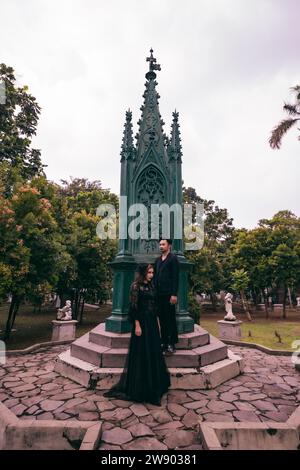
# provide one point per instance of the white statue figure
(65, 313)
(228, 307)
(57, 301)
(298, 302)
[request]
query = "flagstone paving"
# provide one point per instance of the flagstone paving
(269, 390)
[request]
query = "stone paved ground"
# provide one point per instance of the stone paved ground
(269, 390)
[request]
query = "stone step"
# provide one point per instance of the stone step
(185, 378)
(213, 352)
(199, 337)
(199, 357)
(83, 349)
(98, 335)
(102, 356)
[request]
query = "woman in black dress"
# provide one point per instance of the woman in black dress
(145, 377)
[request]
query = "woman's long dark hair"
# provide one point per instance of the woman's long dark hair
(141, 274)
(140, 277)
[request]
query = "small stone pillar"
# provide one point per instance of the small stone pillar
(230, 329)
(278, 308)
(63, 330)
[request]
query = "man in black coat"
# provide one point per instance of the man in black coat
(166, 281)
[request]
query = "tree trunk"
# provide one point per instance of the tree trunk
(290, 298)
(13, 310)
(284, 304)
(265, 297)
(213, 300)
(76, 304)
(254, 295)
(245, 305)
(81, 310)
(17, 305)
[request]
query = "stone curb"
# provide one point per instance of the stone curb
(260, 347)
(17, 434)
(34, 347)
(252, 436)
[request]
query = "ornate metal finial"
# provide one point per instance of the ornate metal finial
(175, 115)
(152, 66)
(128, 115)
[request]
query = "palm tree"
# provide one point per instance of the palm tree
(281, 129)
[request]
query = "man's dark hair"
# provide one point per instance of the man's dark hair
(167, 239)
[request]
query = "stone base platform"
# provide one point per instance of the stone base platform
(201, 361)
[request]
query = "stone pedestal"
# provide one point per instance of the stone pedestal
(230, 329)
(63, 330)
(97, 359)
(278, 308)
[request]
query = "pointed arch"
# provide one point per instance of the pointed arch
(150, 188)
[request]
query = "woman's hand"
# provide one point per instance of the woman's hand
(138, 329)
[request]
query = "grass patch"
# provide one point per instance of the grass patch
(262, 330)
(32, 328)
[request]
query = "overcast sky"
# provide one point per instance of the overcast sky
(227, 67)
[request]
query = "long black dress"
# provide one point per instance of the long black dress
(145, 377)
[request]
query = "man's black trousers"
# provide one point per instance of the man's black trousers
(167, 318)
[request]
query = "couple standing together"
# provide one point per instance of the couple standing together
(152, 312)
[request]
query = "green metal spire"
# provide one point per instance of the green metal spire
(150, 134)
(174, 144)
(127, 148)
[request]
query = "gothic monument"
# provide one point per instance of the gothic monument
(150, 174)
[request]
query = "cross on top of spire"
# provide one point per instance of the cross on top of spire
(152, 66)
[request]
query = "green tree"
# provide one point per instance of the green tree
(30, 245)
(285, 262)
(256, 251)
(87, 275)
(218, 224)
(250, 252)
(240, 284)
(211, 268)
(19, 116)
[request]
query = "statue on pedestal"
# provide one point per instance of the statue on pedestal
(228, 307)
(65, 313)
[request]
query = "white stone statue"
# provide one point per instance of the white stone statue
(57, 301)
(298, 302)
(65, 313)
(228, 307)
